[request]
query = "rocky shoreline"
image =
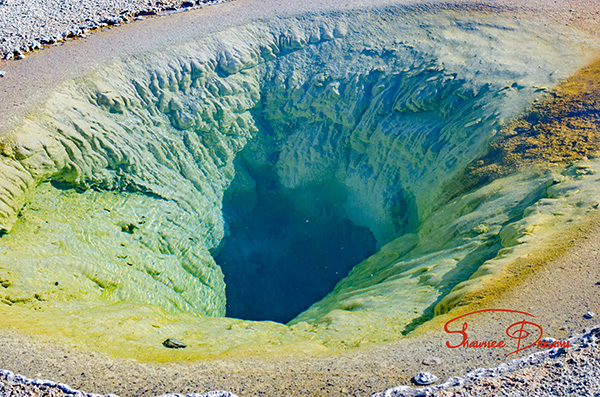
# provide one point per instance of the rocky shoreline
(30, 26)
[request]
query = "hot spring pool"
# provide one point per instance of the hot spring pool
(300, 182)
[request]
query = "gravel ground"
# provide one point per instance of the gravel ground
(27, 25)
(574, 371)
(12, 385)
(571, 374)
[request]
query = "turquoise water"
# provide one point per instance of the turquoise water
(278, 239)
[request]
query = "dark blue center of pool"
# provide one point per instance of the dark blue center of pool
(286, 248)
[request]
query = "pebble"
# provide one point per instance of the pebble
(589, 314)
(431, 361)
(2, 73)
(173, 343)
(425, 378)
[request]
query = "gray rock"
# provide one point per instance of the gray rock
(111, 21)
(46, 40)
(432, 361)
(2, 73)
(425, 378)
(454, 381)
(173, 343)
(589, 314)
